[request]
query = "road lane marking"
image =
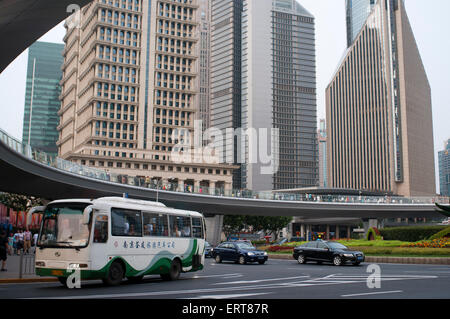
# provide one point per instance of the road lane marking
(258, 280)
(374, 293)
(225, 276)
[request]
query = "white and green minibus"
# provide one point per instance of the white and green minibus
(114, 238)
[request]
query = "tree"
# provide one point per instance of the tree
(19, 203)
(233, 224)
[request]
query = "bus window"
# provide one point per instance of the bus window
(180, 226)
(101, 229)
(156, 225)
(126, 223)
(197, 229)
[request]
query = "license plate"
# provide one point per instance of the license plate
(261, 257)
(57, 273)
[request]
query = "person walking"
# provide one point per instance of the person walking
(3, 249)
(11, 244)
(27, 241)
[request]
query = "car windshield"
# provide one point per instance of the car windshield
(245, 246)
(337, 246)
(63, 226)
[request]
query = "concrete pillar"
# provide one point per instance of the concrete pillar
(212, 187)
(181, 185)
(349, 232)
(302, 231)
(196, 186)
(214, 227)
(337, 231)
(328, 233)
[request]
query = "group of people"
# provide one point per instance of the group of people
(15, 244)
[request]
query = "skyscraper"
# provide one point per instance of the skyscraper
(130, 92)
(204, 63)
(42, 96)
(444, 169)
(226, 76)
(379, 117)
(322, 137)
(279, 92)
(357, 12)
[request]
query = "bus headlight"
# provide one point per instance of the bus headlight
(40, 264)
(76, 266)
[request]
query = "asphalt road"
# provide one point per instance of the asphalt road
(277, 279)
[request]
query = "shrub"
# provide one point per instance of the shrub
(373, 234)
(410, 234)
(441, 234)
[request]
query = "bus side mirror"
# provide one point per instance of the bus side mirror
(87, 215)
(34, 210)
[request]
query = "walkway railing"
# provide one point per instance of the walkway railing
(137, 181)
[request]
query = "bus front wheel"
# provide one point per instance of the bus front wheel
(115, 274)
(174, 272)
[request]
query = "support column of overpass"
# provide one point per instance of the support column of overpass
(214, 226)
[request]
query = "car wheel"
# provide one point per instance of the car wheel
(301, 259)
(218, 259)
(115, 274)
(337, 261)
(174, 272)
(241, 260)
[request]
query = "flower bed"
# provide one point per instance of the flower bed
(435, 243)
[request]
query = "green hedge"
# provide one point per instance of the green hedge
(443, 233)
(410, 234)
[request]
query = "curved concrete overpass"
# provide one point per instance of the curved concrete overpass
(22, 22)
(20, 174)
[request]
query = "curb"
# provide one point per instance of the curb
(390, 260)
(26, 280)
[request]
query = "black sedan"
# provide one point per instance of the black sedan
(240, 252)
(208, 250)
(325, 251)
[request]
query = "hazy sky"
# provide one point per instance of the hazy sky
(429, 21)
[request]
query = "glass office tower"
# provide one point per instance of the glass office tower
(357, 13)
(444, 169)
(42, 96)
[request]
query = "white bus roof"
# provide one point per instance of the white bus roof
(129, 203)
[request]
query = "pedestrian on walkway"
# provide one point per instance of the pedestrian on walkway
(11, 244)
(3, 249)
(27, 241)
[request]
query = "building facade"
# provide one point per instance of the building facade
(130, 92)
(357, 12)
(322, 139)
(279, 95)
(42, 96)
(204, 64)
(226, 77)
(379, 116)
(444, 169)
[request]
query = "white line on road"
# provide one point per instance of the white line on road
(229, 296)
(374, 293)
(259, 280)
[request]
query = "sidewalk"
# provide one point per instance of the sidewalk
(13, 273)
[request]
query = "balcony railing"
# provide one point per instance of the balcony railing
(136, 181)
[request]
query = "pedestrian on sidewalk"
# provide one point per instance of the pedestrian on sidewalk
(3, 249)
(11, 244)
(27, 241)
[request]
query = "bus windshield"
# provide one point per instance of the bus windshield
(63, 226)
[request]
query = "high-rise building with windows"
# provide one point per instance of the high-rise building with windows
(226, 77)
(357, 12)
(204, 64)
(444, 169)
(42, 96)
(379, 113)
(279, 92)
(322, 138)
(130, 91)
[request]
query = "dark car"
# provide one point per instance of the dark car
(326, 251)
(208, 250)
(240, 252)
